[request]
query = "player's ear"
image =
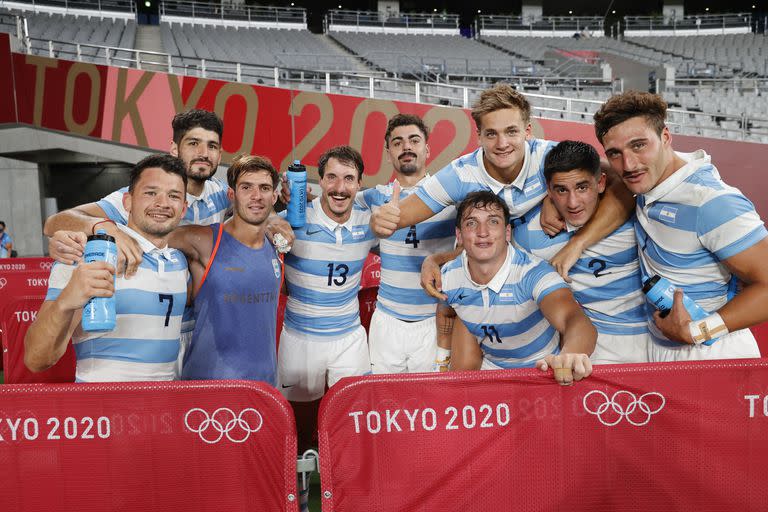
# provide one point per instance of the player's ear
(127, 198)
(458, 237)
(231, 195)
(508, 233)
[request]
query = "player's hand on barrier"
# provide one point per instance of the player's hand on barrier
(67, 246)
(566, 258)
(95, 279)
(551, 221)
(431, 280)
(566, 367)
(384, 219)
(674, 325)
(280, 233)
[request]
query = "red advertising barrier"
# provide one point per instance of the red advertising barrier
(684, 437)
(15, 319)
(192, 446)
(21, 277)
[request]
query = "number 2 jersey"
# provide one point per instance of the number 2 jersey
(605, 280)
(323, 272)
(400, 292)
(504, 315)
(144, 344)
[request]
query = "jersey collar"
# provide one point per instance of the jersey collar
(146, 246)
(326, 221)
(694, 161)
(499, 279)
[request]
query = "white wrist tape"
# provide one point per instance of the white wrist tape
(707, 328)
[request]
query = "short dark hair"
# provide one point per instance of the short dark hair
(344, 154)
(185, 121)
(251, 163)
(164, 161)
(405, 120)
(631, 104)
(481, 199)
(571, 155)
(3, 223)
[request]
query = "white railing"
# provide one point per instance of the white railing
(565, 26)
(688, 25)
(399, 23)
(373, 85)
(224, 13)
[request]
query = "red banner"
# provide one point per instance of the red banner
(686, 437)
(189, 446)
(134, 107)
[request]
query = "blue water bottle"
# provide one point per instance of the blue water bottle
(661, 293)
(99, 313)
(297, 206)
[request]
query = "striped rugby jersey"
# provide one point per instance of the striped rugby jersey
(208, 208)
(605, 280)
(145, 342)
(323, 272)
(467, 174)
(504, 314)
(400, 292)
(687, 225)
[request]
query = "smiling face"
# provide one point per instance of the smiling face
(484, 234)
(253, 197)
(408, 150)
(156, 204)
(642, 157)
(340, 183)
(576, 195)
(502, 135)
(200, 150)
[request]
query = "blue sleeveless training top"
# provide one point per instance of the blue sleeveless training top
(235, 315)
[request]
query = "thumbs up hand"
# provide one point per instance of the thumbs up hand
(384, 221)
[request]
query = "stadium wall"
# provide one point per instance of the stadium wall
(132, 108)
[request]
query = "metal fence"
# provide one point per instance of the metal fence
(194, 11)
(705, 23)
(587, 25)
(336, 17)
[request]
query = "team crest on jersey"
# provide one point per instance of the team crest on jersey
(506, 297)
(532, 187)
(358, 234)
(668, 214)
(276, 267)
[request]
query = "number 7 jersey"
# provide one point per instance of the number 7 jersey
(323, 272)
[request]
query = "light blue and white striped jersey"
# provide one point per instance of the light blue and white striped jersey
(605, 280)
(323, 272)
(467, 174)
(687, 225)
(504, 314)
(206, 209)
(145, 342)
(400, 292)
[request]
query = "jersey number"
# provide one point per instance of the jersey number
(342, 269)
(163, 297)
(601, 264)
(410, 238)
(491, 333)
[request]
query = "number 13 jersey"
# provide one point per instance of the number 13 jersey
(323, 272)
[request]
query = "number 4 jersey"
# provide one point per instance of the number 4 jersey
(323, 272)
(400, 291)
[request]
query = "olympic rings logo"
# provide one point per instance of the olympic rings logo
(223, 422)
(3, 282)
(46, 265)
(624, 404)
